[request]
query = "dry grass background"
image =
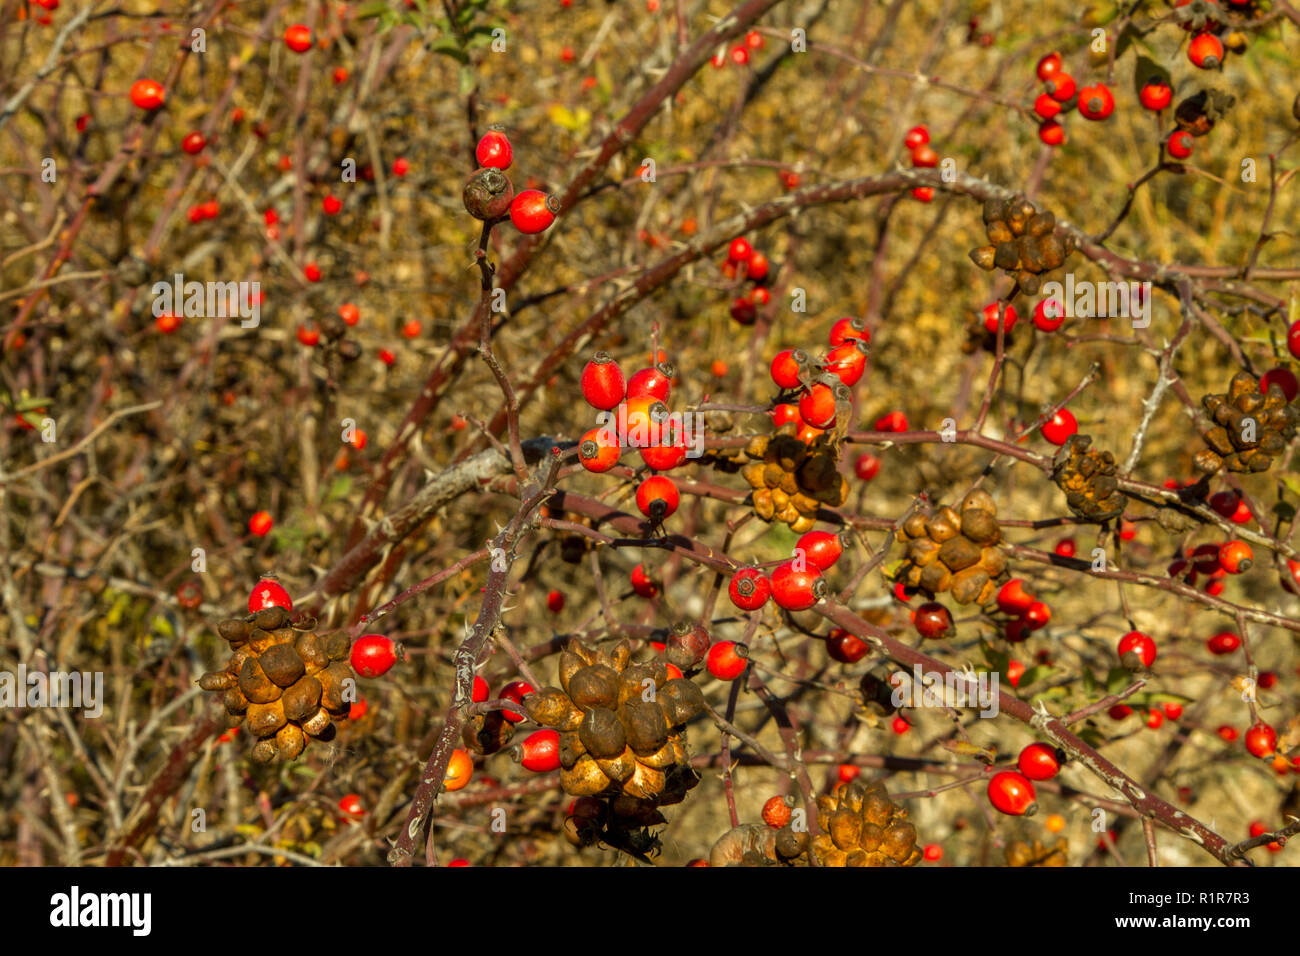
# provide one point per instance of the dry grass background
(189, 474)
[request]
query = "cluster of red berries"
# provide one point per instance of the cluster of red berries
(1028, 614)
(1012, 791)
(1062, 94)
(1214, 562)
(820, 393)
(917, 140)
(490, 196)
(796, 584)
(739, 54)
(745, 262)
(641, 420)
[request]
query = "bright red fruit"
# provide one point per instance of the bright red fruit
(260, 524)
(598, 450)
(148, 94)
(797, 590)
(1140, 645)
(821, 548)
(1047, 106)
(1096, 102)
(866, 466)
(1180, 144)
(1012, 793)
(1039, 762)
(298, 38)
(1051, 132)
(603, 385)
(1261, 740)
(894, 421)
(655, 381)
(480, 691)
(1236, 557)
(1285, 380)
(642, 585)
(739, 250)
(657, 497)
(848, 362)
(373, 655)
(1061, 426)
(726, 660)
(331, 205)
(847, 328)
(1155, 95)
(787, 366)
(845, 647)
(1013, 598)
(1049, 315)
(1205, 51)
(516, 691)
(817, 406)
(555, 602)
(932, 619)
(1223, 643)
(351, 806)
(494, 150)
(532, 211)
(268, 593)
(1009, 319)
(1061, 86)
(916, 136)
(540, 751)
(1049, 66)
(749, 589)
(193, 143)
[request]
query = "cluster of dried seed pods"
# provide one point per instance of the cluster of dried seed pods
(284, 682)
(756, 844)
(1250, 428)
(622, 725)
(1022, 242)
(863, 827)
(1022, 854)
(1087, 476)
(791, 480)
(955, 550)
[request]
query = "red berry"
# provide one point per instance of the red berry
(1013, 598)
(1039, 762)
(1223, 643)
(845, 647)
(533, 211)
(817, 406)
(655, 381)
(260, 523)
(900, 725)
(401, 167)
(923, 193)
(726, 660)
(1037, 616)
(167, 323)
(148, 94)
(1047, 106)
(331, 205)
(516, 691)
(1139, 644)
(1155, 95)
(540, 751)
(1015, 670)
(642, 585)
(916, 136)
(1051, 132)
(193, 143)
(657, 497)
(847, 328)
(1009, 318)
(787, 366)
(309, 335)
(603, 385)
(739, 250)
(932, 619)
(1012, 793)
(1065, 547)
(1285, 380)
(1205, 51)
(1261, 740)
(373, 655)
(312, 272)
(754, 40)
(480, 691)
(599, 450)
(821, 548)
(298, 38)
(358, 709)
(1061, 426)
(866, 466)
(1049, 315)
(776, 813)
(924, 157)
(555, 602)
(757, 267)
(1061, 86)
(1119, 711)
(494, 150)
(749, 589)
(1048, 66)
(1172, 711)
(785, 413)
(1096, 102)
(743, 311)
(665, 456)
(894, 421)
(268, 593)
(351, 806)
(1155, 719)
(848, 361)
(797, 590)
(1236, 557)
(1180, 144)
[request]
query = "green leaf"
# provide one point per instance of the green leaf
(339, 489)
(371, 10)
(1034, 674)
(30, 404)
(1291, 481)
(449, 46)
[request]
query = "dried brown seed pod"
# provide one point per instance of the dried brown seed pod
(290, 741)
(584, 778)
(270, 618)
(282, 664)
(983, 257)
(595, 686)
(619, 769)
(256, 685)
(263, 720)
(959, 553)
(235, 631)
(645, 726)
(681, 700)
(302, 700)
(218, 680)
(601, 733)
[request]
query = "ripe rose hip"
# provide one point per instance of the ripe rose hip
(298, 38)
(603, 385)
(894, 421)
(1060, 427)
(726, 660)
(494, 150)
(932, 619)
(1012, 794)
(739, 250)
(845, 647)
(848, 361)
(516, 691)
(193, 143)
(866, 466)
(1013, 598)
(260, 524)
(848, 328)
(148, 94)
(1236, 557)
(642, 585)
(1205, 51)
(657, 497)
(1048, 66)
(1261, 740)
(916, 136)
(1155, 95)
(1047, 106)
(923, 193)
(480, 690)
(743, 311)
(331, 205)
(1065, 547)
(540, 751)
(1051, 132)
(1140, 645)
(351, 806)
(757, 267)
(1180, 144)
(924, 157)
(749, 589)
(787, 367)
(1049, 315)
(349, 313)
(817, 406)
(1096, 102)
(373, 655)
(460, 770)
(1009, 318)
(821, 548)
(797, 590)
(776, 813)
(1037, 616)
(555, 602)
(655, 381)
(1222, 643)
(1172, 710)
(900, 725)
(598, 450)
(1039, 762)
(1062, 87)
(268, 593)
(1285, 380)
